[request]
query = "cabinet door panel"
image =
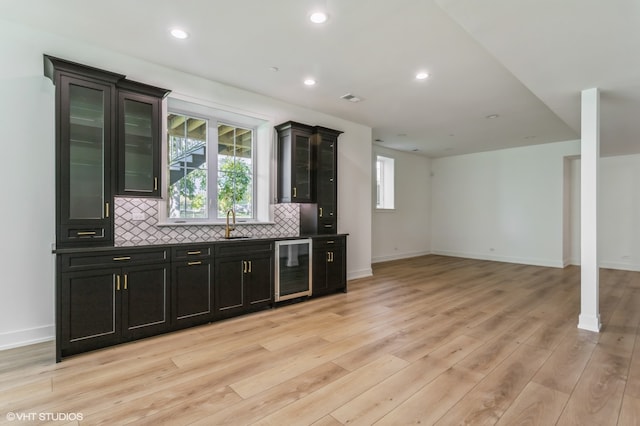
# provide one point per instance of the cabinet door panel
(260, 283)
(192, 295)
(89, 305)
(302, 190)
(84, 152)
(89, 310)
(326, 178)
(145, 300)
(319, 272)
(335, 268)
(229, 284)
(138, 145)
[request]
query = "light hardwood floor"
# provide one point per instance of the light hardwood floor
(428, 340)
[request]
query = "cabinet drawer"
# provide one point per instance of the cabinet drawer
(232, 249)
(327, 226)
(328, 242)
(186, 253)
(79, 233)
(70, 262)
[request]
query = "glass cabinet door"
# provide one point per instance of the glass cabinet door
(302, 173)
(86, 152)
(138, 145)
(84, 161)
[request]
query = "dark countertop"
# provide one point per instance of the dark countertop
(169, 244)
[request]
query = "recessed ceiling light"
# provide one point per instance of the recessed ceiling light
(492, 116)
(422, 76)
(309, 82)
(179, 34)
(318, 17)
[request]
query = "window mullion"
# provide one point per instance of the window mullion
(212, 178)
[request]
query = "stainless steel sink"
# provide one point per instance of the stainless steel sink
(236, 237)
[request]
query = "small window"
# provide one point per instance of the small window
(384, 182)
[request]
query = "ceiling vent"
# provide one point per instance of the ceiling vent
(351, 98)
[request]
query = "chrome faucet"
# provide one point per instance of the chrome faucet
(227, 231)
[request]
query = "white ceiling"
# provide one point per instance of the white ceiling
(525, 60)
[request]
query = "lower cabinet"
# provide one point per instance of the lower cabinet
(243, 277)
(329, 265)
(192, 286)
(113, 295)
(104, 304)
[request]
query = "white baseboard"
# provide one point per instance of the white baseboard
(398, 256)
(620, 266)
(363, 273)
(15, 339)
(508, 259)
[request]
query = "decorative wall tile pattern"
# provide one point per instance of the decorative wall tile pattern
(136, 223)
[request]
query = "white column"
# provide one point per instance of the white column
(590, 156)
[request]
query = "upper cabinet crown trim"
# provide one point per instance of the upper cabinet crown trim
(53, 65)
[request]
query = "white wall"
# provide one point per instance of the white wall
(502, 205)
(404, 231)
(27, 221)
(619, 214)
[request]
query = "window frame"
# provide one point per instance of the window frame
(384, 167)
(213, 120)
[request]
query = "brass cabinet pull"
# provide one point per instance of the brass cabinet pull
(328, 226)
(117, 282)
(244, 266)
(81, 233)
(125, 281)
(250, 266)
(320, 211)
(193, 253)
(155, 183)
(122, 258)
(106, 209)
(331, 242)
(295, 192)
(194, 263)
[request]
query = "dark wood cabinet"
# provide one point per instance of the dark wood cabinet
(139, 142)
(329, 264)
(192, 286)
(308, 174)
(104, 298)
(107, 296)
(326, 145)
(144, 292)
(88, 312)
(107, 143)
(243, 277)
(296, 162)
(85, 145)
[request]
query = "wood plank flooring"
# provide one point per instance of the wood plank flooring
(429, 340)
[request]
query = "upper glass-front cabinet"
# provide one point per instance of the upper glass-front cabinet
(296, 178)
(139, 145)
(88, 138)
(107, 143)
(85, 145)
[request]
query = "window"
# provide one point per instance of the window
(211, 168)
(384, 182)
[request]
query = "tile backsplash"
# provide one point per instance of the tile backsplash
(136, 223)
